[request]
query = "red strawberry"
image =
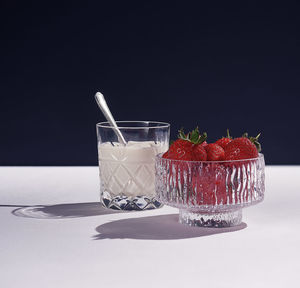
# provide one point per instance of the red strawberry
(214, 152)
(240, 148)
(224, 140)
(209, 186)
(254, 140)
(199, 153)
(180, 150)
(186, 147)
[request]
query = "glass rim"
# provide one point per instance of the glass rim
(260, 156)
(105, 124)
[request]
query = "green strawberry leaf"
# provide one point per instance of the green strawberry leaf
(255, 141)
(194, 135)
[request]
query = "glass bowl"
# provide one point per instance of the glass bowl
(210, 193)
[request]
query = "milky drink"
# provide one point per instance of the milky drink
(129, 170)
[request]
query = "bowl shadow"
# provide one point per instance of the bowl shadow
(161, 227)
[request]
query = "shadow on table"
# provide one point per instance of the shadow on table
(162, 227)
(70, 210)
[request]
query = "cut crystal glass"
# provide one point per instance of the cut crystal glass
(127, 172)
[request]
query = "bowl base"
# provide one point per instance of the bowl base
(215, 220)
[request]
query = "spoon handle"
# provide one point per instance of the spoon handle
(107, 114)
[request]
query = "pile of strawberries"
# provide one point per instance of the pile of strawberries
(208, 183)
(193, 147)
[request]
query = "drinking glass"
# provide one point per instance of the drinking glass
(127, 173)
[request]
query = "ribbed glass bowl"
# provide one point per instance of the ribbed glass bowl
(210, 193)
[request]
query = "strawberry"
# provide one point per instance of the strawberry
(240, 148)
(180, 150)
(224, 140)
(209, 186)
(254, 140)
(199, 153)
(187, 146)
(214, 152)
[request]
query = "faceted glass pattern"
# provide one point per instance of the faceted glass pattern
(210, 193)
(119, 186)
(129, 178)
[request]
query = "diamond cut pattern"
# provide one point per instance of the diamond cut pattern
(129, 203)
(132, 179)
(127, 175)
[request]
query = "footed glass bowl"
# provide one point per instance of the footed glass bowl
(210, 193)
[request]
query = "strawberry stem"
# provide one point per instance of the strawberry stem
(194, 136)
(181, 134)
(255, 141)
(202, 138)
(228, 134)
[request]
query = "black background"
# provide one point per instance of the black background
(213, 64)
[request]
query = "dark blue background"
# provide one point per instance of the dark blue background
(212, 64)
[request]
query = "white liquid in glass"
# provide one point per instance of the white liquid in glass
(129, 170)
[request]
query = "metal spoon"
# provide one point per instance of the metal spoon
(107, 114)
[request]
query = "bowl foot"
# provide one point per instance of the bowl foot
(216, 220)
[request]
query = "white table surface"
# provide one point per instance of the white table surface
(55, 234)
